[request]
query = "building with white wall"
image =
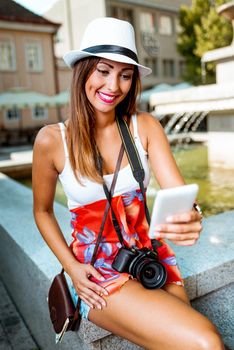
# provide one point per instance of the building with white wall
(156, 26)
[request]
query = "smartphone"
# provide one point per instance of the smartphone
(172, 201)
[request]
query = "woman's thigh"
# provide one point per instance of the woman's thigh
(177, 291)
(155, 319)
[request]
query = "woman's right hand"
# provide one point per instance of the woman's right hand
(90, 292)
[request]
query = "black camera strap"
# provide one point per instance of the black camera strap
(133, 158)
(138, 173)
(136, 165)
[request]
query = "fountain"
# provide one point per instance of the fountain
(188, 107)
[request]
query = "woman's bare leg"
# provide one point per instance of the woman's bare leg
(177, 291)
(156, 320)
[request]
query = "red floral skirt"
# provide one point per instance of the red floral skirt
(130, 213)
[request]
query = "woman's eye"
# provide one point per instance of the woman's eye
(103, 72)
(126, 76)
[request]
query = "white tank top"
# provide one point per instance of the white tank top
(90, 191)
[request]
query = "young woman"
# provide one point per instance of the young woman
(105, 84)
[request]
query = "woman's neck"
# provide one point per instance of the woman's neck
(104, 120)
(105, 127)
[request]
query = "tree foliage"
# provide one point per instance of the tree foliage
(202, 29)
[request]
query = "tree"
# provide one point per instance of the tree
(202, 29)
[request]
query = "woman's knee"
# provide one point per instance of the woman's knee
(210, 340)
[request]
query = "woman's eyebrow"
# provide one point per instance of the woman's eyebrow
(106, 64)
(129, 68)
(109, 65)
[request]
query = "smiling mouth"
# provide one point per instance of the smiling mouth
(106, 98)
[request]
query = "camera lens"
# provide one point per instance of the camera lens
(152, 274)
(149, 272)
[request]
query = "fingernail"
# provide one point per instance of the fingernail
(99, 307)
(103, 303)
(158, 228)
(105, 292)
(169, 219)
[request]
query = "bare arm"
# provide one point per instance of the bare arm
(44, 179)
(44, 176)
(183, 229)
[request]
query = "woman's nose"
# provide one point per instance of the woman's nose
(113, 83)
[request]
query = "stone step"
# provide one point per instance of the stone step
(208, 265)
(218, 306)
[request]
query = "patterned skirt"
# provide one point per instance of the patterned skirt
(129, 210)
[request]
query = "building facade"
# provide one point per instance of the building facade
(27, 63)
(26, 50)
(32, 46)
(156, 27)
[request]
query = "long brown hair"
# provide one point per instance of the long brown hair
(81, 127)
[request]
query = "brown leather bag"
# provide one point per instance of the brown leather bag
(64, 314)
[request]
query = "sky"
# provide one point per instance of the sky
(37, 6)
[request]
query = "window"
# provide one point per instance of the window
(147, 22)
(33, 56)
(122, 13)
(153, 64)
(7, 55)
(148, 33)
(40, 112)
(13, 114)
(165, 25)
(168, 68)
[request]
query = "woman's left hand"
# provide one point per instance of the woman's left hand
(182, 229)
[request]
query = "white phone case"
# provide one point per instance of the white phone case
(172, 201)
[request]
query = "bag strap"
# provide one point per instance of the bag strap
(114, 218)
(120, 157)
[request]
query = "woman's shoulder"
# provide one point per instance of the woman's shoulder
(48, 136)
(147, 122)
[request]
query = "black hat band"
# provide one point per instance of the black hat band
(112, 49)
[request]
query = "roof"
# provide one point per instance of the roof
(223, 53)
(145, 95)
(21, 98)
(14, 12)
(213, 97)
(62, 98)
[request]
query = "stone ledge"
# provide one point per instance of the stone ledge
(13, 332)
(217, 306)
(211, 259)
(30, 269)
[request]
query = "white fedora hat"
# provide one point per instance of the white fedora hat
(109, 38)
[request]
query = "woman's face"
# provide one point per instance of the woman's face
(109, 84)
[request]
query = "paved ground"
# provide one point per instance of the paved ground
(14, 334)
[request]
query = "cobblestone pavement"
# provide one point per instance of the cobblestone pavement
(14, 335)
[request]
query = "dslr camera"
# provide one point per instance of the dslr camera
(142, 264)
